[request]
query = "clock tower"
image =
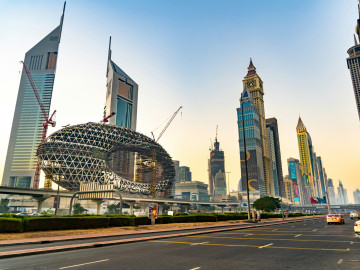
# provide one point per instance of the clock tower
(254, 84)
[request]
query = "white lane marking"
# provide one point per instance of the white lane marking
(292, 226)
(351, 243)
(304, 224)
(340, 261)
(248, 234)
(195, 268)
(76, 265)
(348, 249)
(199, 243)
(325, 227)
(274, 230)
(267, 245)
(297, 235)
(315, 230)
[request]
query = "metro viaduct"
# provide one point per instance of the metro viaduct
(40, 195)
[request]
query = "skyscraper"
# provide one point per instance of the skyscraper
(353, 63)
(248, 117)
(121, 98)
(255, 85)
(321, 175)
(275, 156)
(184, 174)
(331, 191)
(305, 159)
(357, 196)
(27, 129)
(342, 194)
(217, 178)
(121, 95)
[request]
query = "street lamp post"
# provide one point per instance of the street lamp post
(245, 158)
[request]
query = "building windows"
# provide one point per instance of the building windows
(124, 113)
(125, 90)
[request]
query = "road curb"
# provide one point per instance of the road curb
(28, 252)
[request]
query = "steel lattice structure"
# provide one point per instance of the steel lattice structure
(82, 153)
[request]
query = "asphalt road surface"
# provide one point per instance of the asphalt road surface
(311, 244)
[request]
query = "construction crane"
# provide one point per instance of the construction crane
(106, 118)
(48, 121)
(153, 153)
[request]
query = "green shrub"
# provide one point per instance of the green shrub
(142, 221)
(64, 223)
(120, 221)
(164, 219)
(205, 218)
(184, 219)
(10, 225)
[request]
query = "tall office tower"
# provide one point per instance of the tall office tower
(255, 85)
(341, 193)
(27, 129)
(353, 63)
(275, 155)
(176, 164)
(121, 98)
(305, 158)
(184, 174)
(316, 178)
(249, 118)
(321, 176)
(300, 193)
(217, 179)
(357, 196)
(331, 191)
(289, 191)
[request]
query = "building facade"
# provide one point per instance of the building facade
(192, 191)
(184, 174)
(289, 190)
(275, 156)
(27, 126)
(353, 64)
(249, 125)
(342, 195)
(295, 176)
(255, 86)
(217, 177)
(321, 176)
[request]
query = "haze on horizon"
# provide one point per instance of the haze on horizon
(195, 54)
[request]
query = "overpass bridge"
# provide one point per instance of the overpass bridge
(40, 195)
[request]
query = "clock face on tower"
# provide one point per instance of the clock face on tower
(251, 84)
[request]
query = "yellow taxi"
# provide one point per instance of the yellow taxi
(335, 218)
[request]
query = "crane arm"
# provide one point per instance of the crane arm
(168, 123)
(28, 74)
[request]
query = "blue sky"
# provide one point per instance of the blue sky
(195, 54)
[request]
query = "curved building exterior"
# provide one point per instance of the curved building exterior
(84, 153)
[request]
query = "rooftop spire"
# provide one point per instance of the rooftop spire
(62, 21)
(251, 69)
(109, 57)
(300, 128)
(356, 43)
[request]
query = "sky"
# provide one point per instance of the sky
(195, 54)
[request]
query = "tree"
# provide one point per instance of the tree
(112, 208)
(267, 204)
(4, 208)
(78, 209)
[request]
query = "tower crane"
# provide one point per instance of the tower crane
(47, 122)
(153, 153)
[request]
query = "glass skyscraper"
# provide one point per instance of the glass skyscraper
(217, 178)
(27, 129)
(248, 116)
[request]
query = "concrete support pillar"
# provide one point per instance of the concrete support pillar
(222, 209)
(39, 200)
(131, 204)
(98, 203)
(160, 209)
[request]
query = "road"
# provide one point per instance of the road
(310, 244)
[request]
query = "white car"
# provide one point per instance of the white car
(354, 215)
(357, 228)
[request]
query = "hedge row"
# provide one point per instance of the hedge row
(27, 224)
